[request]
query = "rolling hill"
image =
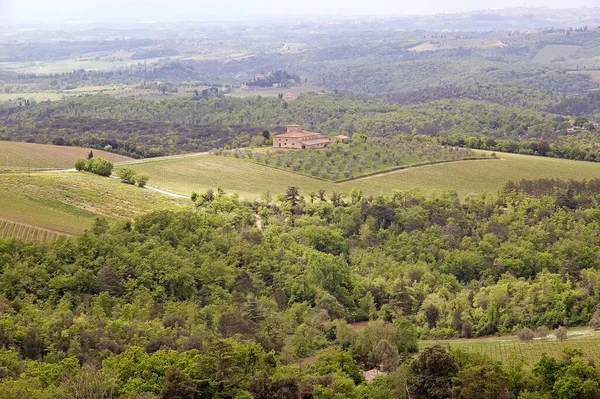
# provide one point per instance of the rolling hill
(68, 203)
(201, 172)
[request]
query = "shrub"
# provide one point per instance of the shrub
(526, 335)
(80, 164)
(561, 333)
(127, 175)
(142, 180)
(595, 321)
(99, 166)
(542, 332)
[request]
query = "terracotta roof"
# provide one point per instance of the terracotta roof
(302, 133)
(316, 141)
(371, 374)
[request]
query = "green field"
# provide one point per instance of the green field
(18, 156)
(200, 172)
(554, 52)
(69, 202)
(501, 348)
(10, 229)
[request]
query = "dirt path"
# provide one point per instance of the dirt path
(165, 192)
(258, 221)
(158, 190)
(53, 171)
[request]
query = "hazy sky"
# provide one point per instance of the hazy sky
(52, 10)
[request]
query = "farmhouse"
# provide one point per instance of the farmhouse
(262, 76)
(296, 137)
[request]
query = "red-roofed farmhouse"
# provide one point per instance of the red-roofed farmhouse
(296, 137)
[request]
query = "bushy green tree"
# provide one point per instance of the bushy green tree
(127, 175)
(81, 164)
(177, 385)
(434, 370)
(480, 381)
(142, 179)
(100, 166)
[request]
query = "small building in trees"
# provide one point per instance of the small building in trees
(296, 137)
(371, 374)
(341, 138)
(262, 76)
(289, 97)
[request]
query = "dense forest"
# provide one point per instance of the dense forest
(203, 303)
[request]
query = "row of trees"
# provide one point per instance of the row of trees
(98, 166)
(130, 176)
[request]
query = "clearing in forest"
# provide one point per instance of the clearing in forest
(454, 44)
(593, 74)
(275, 91)
(555, 53)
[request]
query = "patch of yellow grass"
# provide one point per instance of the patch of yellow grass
(15, 155)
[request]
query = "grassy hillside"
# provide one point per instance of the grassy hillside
(197, 173)
(69, 202)
(15, 155)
